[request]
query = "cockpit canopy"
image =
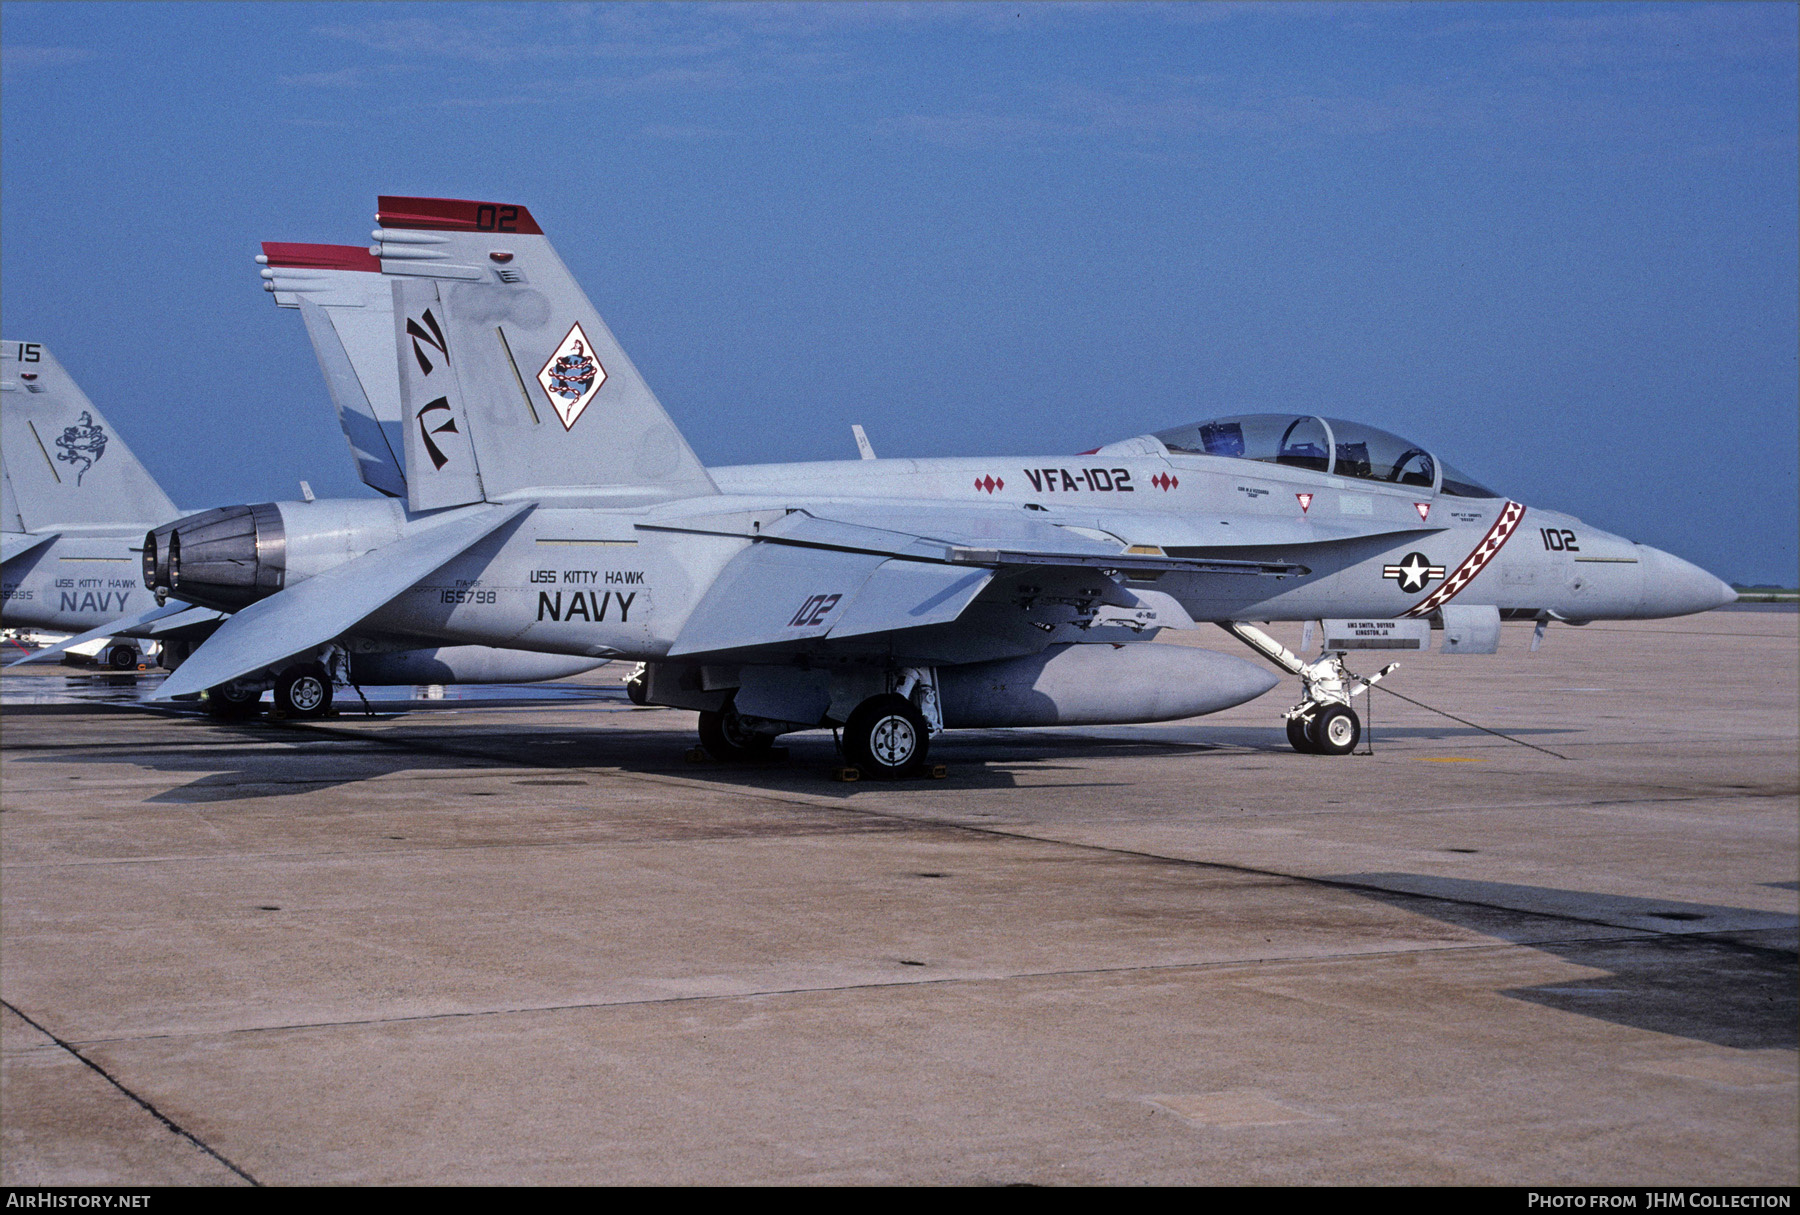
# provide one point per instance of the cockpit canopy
(1327, 445)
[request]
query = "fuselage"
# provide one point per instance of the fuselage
(76, 582)
(609, 583)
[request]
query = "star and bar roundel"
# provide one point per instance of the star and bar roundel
(1415, 572)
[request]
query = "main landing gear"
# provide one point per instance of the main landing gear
(728, 738)
(234, 701)
(1323, 723)
(887, 737)
(303, 691)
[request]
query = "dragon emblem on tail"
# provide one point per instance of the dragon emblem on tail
(82, 445)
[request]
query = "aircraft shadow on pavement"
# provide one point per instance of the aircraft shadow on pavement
(1729, 976)
(259, 759)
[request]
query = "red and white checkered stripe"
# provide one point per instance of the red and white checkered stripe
(1475, 562)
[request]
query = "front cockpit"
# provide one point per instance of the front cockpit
(1328, 445)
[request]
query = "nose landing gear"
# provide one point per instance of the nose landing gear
(1323, 723)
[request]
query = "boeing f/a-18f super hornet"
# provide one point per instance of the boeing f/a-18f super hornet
(77, 503)
(550, 505)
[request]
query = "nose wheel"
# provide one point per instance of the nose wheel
(1334, 730)
(1296, 732)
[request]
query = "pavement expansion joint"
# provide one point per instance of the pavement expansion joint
(113, 1080)
(1249, 963)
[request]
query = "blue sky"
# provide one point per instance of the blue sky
(1555, 243)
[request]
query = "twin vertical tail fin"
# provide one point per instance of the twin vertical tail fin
(348, 309)
(65, 467)
(510, 383)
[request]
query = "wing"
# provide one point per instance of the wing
(773, 594)
(325, 606)
(807, 579)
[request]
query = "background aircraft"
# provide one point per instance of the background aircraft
(76, 506)
(551, 505)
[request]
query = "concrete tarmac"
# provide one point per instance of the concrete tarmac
(520, 938)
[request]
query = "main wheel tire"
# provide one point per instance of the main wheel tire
(886, 737)
(1297, 737)
(229, 702)
(303, 691)
(1335, 731)
(726, 739)
(122, 658)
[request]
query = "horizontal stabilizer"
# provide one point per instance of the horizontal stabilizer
(125, 626)
(17, 544)
(310, 614)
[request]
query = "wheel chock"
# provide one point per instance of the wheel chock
(846, 774)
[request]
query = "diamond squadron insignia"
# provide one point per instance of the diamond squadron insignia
(572, 376)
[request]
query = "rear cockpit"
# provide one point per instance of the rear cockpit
(1328, 445)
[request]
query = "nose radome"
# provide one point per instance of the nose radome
(1673, 587)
